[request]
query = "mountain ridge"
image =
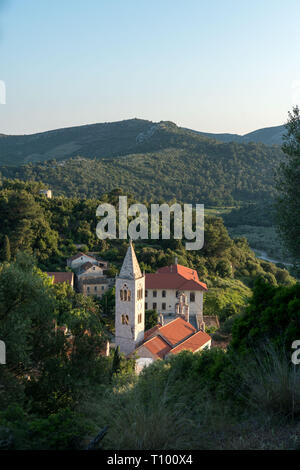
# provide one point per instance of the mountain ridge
(266, 135)
(109, 139)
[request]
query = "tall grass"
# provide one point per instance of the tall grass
(172, 405)
(272, 383)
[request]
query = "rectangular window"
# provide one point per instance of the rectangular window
(154, 293)
(88, 288)
(163, 293)
(192, 297)
(146, 293)
(163, 306)
(140, 318)
(95, 288)
(146, 306)
(154, 306)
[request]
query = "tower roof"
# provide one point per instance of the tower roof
(130, 268)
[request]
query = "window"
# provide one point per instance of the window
(163, 293)
(146, 305)
(102, 287)
(125, 319)
(146, 293)
(95, 288)
(88, 288)
(140, 294)
(154, 306)
(163, 306)
(154, 293)
(192, 296)
(139, 318)
(125, 294)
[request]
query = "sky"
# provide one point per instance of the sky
(215, 66)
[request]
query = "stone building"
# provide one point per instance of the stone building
(79, 259)
(95, 286)
(88, 270)
(130, 304)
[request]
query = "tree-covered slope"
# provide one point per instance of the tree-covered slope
(95, 140)
(161, 161)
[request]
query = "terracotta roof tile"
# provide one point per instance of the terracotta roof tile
(176, 331)
(157, 346)
(194, 343)
(152, 330)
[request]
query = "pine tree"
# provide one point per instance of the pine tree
(6, 254)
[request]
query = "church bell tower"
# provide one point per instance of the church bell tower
(130, 304)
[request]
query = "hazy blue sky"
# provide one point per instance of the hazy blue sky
(218, 65)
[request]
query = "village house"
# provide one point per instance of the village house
(89, 272)
(58, 277)
(74, 262)
(95, 286)
(163, 340)
(88, 269)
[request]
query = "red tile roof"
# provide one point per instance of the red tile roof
(157, 346)
(175, 277)
(194, 343)
(176, 331)
(62, 277)
(152, 330)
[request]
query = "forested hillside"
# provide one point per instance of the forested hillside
(169, 165)
(116, 138)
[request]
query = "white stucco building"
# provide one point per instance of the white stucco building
(164, 288)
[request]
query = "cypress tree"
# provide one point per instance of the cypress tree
(6, 254)
(116, 365)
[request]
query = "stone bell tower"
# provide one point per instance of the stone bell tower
(130, 304)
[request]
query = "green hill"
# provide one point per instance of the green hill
(267, 135)
(158, 160)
